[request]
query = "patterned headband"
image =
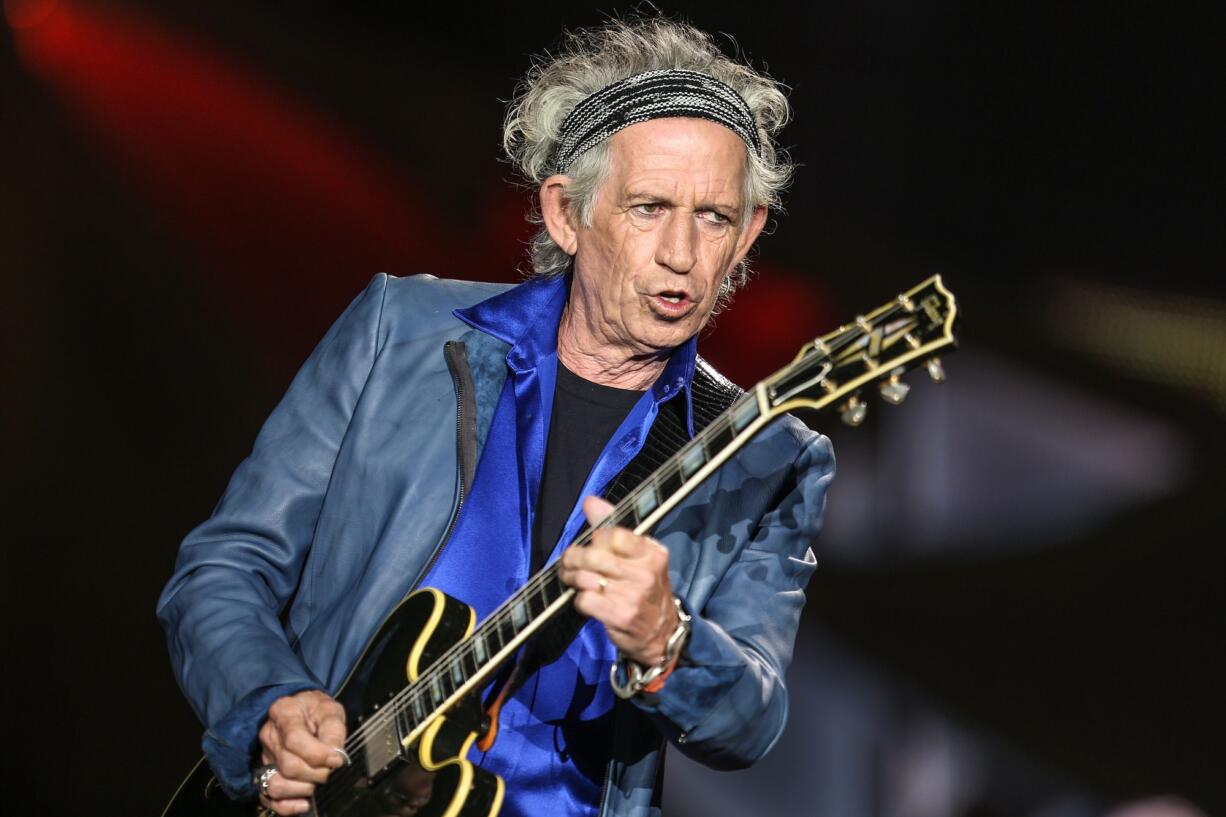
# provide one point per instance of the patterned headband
(652, 95)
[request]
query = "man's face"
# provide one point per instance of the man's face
(666, 230)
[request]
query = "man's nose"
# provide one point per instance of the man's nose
(677, 248)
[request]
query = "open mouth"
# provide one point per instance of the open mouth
(672, 304)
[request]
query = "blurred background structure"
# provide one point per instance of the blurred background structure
(1021, 582)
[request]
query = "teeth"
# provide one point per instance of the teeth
(672, 299)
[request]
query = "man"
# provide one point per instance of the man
(654, 161)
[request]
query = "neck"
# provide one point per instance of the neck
(606, 363)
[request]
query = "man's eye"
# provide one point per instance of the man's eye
(714, 217)
(648, 209)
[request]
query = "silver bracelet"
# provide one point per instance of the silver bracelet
(636, 676)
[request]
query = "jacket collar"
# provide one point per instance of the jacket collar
(526, 317)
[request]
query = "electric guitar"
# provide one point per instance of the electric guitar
(412, 702)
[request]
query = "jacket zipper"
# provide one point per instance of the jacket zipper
(604, 789)
(456, 355)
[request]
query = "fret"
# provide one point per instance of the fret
(669, 483)
(718, 437)
(551, 586)
(535, 604)
(403, 723)
(469, 662)
(622, 516)
(457, 673)
(693, 458)
(645, 502)
(744, 414)
(478, 648)
(506, 631)
(519, 616)
(490, 635)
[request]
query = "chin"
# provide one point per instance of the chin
(664, 343)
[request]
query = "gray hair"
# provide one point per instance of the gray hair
(591, 59)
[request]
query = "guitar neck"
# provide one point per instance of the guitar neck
(879, 346)
(471, 663)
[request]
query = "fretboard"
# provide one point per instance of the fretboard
(472, 662)
(878, 347)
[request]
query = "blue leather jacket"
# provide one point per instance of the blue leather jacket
(349, 491)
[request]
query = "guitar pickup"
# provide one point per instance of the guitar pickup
(382, 748)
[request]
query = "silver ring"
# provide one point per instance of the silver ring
(261, 778)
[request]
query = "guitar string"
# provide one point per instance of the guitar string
(416, 691)
(443, 666)
(674, 466)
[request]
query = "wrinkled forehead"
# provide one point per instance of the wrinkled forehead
(682, 149)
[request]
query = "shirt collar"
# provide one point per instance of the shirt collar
(527, 317)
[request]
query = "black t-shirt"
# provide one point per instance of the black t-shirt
(585, 415)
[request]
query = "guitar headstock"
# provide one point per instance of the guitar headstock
(879, 347)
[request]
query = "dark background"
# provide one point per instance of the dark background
(1025, 561)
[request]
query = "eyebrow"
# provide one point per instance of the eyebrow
(719, 207)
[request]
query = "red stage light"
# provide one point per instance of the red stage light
(28, 13)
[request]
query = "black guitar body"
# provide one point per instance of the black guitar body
(429, 778)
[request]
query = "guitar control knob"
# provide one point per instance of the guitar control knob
(935, 370)
(894, 391)
(853, 412)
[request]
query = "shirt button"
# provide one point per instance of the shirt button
(681, 738)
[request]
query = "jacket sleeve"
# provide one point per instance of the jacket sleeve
(725, 705)
(236, 572)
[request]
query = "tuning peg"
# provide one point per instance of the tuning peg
(894, 391)
(935, 370)
(853, 411)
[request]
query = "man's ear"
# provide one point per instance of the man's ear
(558, 215)
(757, 220)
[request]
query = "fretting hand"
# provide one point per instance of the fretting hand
(622, 579)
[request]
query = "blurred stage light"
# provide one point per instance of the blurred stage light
(22, 14)
(283, 210)
(1166, 339)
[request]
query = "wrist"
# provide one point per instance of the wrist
(652, 678)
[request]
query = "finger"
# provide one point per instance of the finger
(626, 543)
(305, 757)
(595, 560)
(281, 787)
(270, 743)
(332, 733)
(285, 807)
(596, 509)
(582, 580)
(609, 611)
